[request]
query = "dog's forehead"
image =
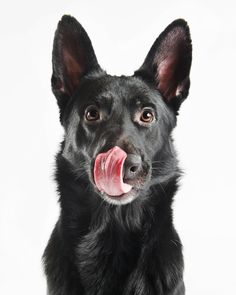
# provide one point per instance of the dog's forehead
(121, 90)
(127, 88)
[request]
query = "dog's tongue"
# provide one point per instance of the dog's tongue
(108, 172)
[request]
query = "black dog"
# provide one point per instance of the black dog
(117, 170)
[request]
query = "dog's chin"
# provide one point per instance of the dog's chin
(122, 199)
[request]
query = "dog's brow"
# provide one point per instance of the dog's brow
(145, 101)
(102, 99)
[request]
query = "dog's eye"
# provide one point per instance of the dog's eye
(147, 115)
(92, 113)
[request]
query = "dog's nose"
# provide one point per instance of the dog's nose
(132, 166)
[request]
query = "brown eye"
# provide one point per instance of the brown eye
(92, 113)
(147, 116)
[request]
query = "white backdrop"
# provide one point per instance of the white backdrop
(122, 33)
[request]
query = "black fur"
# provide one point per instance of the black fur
(98, 247)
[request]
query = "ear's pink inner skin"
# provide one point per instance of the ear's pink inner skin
(108, 172)
(168, 82)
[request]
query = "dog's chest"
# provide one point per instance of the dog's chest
(106, 258)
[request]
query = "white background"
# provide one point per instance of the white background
(122, 33)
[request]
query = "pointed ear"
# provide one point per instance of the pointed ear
(168, 63)
(72, 58)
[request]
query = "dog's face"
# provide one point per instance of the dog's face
(117, 129)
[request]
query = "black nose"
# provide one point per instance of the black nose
(132, 166)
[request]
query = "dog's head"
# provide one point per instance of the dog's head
(118, 129)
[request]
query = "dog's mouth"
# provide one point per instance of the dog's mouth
(109, 177)
(109, 171)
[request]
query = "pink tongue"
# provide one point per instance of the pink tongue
(108, 172)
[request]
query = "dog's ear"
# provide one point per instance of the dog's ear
(168, 63)
(72, 58)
